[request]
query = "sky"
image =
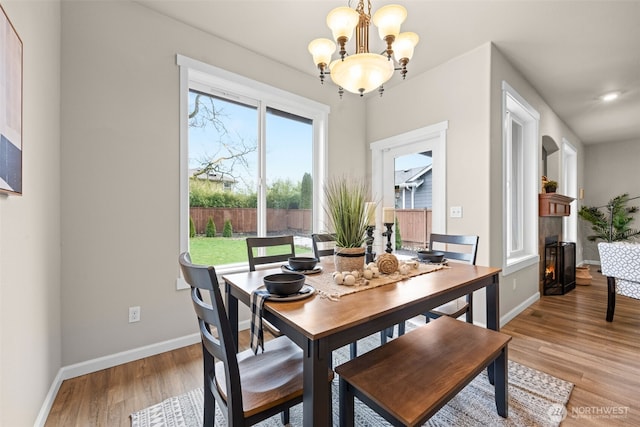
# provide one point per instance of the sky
(289, 143)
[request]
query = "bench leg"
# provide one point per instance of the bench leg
(353, 349)
(383, 337)
(501, 376)
(611, 297)
(346, 404)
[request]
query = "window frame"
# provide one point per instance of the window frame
(516, 109)
(219, 82)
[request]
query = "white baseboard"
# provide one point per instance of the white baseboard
(519, 309)
(94, 365)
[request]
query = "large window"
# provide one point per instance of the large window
(520, 186)
(252, 160)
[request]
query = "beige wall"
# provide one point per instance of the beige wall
(120, 121)
(30, 226)
(516, 288)
(457, 91)
(607, 176)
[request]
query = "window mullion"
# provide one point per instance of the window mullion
(262, 170)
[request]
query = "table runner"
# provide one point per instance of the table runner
(326, 287)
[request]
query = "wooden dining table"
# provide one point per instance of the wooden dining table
(320, 325)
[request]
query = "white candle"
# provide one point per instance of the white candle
(388, 215)
(370, 211)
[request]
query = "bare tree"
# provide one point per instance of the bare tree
(228, 152)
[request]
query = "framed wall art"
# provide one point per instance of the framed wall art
(10, 107)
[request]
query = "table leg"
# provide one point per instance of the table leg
(317, 389)
(493, 316)
(502, 383)
(232, 313)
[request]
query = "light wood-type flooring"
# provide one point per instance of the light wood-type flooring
(565, 336)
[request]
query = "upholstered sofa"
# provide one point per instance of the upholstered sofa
(620, 262)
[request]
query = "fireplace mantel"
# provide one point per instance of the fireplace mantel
(554, 204)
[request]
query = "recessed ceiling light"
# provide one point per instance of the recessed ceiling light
(607, 97)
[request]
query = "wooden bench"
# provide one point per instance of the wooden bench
(409, 379)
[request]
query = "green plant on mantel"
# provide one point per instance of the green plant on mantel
(550, 186)
(347, 210)
(611, 223)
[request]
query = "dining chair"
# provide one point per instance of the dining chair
(286, 249)
(460, 248)
(249, 388)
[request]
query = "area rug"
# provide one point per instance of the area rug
(535, 399)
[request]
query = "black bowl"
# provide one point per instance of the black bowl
(284, 283)
(302, 263)
(431, 256)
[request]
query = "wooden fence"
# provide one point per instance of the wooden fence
(244, 220)
(415, 227)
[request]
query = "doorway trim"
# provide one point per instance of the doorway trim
(431, 138)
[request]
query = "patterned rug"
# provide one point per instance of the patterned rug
(535, 399)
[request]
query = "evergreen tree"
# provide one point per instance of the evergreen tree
(228, 230)
(211, 228)
(192, 228)
(398, 236)
(306, 192)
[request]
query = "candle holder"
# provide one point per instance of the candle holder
(388, 234)
(369, 255)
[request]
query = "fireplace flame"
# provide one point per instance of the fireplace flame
(550, 272)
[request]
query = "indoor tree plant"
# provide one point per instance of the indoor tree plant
(613, 224)
(348, 217)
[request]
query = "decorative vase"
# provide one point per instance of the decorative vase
(583, 276)
(348, 259)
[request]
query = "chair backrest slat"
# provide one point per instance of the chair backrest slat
(448, 240)
(254, 243)
(320, 252)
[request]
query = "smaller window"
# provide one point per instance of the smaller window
(520, 147)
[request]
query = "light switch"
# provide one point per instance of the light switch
(455, 211)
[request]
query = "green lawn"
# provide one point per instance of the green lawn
(223, 250)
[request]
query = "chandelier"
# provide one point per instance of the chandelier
(363, 71)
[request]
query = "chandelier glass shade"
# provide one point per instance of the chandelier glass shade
(362, 71)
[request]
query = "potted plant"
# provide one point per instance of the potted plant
(614, 224)
(550, 186)
(348, 217)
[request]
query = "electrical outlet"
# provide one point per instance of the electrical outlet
(134, 314)
(455, 211)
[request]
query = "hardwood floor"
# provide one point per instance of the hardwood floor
(565, 336)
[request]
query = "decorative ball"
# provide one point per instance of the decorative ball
(367, 274)
(349, 280)
(387, 263)
(404, 269)
(338, 278)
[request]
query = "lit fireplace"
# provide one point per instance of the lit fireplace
(560, 267)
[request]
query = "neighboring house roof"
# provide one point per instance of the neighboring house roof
(211, 176)
(411, 177)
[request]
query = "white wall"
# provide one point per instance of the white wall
(120, 207)
(608, 175)
(30, 226)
